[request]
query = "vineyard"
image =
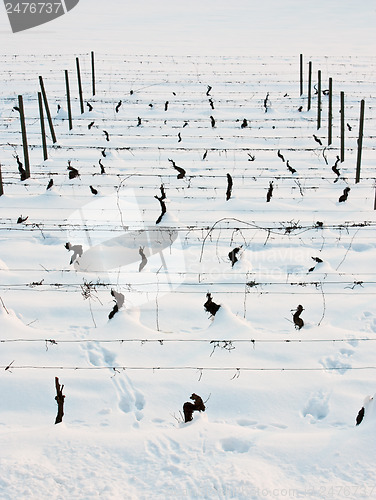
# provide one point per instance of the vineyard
(166, 185)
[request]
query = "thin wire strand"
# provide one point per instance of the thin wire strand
(169, 368)
(203, 341)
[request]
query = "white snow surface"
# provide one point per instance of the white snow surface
(281, 403)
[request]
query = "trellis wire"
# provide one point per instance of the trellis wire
(202, 341)
(183, 368)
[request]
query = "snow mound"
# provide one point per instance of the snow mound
(11, 325)
(226, 325)
(126, 324)
(369, 419)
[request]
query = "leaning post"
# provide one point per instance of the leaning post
(80, 85)
(43, 90)
(24, 136)
(68, 100)
(42, 127)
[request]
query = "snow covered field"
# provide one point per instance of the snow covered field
(281, 402)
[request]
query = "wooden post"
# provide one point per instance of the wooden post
(309, 84)
(42, 128)
(360, 141)
(93, 72)
(1, 183)
(301, 74)
(319, 99)
(44, 95)
(342, 127)
(60, 401)
(330, 112)
(24, 137)
(68, 100)
(79, 85)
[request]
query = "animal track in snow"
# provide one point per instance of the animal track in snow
(346, 352)
(153, 448)
(353, 342)
(108, 357)
(317, 407)
(130, 399)
(279, 426)
(168, 450)
(93, 355)
(245, 423)
(338, 363)
(140, 401)
(369, 318)
(235, 445)
(158, 420)
(373, 325)
(174, 445)
(98, 355)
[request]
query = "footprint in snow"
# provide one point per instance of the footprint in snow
(338, 363)
(139, 415)
(94, 356)
(153, 449)
(370, 321)
(279, 426)
(243, 422)
(353, 342)
(130, 399)
(140, 401)
(174, 445)
(108, 356)
(169, 450)
(346, 352)
(317, 407)
(158, 420)
(235, 445)
(246, 423)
